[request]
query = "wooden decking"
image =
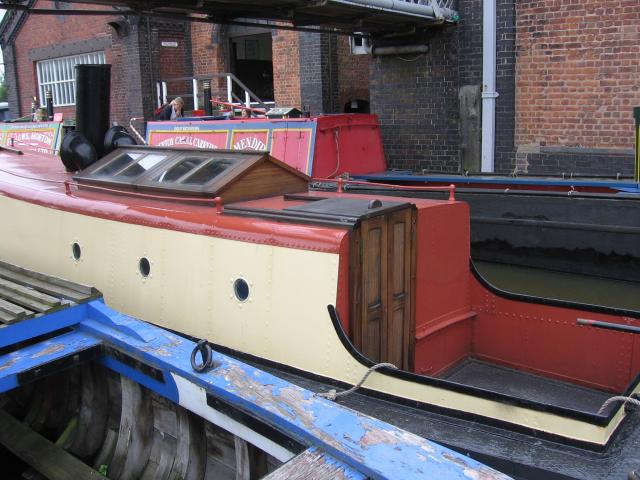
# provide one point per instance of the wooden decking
(25, 294)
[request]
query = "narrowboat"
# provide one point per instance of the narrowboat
(571, 223)
(334, 289)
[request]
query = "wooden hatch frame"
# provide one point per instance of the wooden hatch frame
(383, 285)
(244, 175)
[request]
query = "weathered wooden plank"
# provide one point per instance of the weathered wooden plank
(29, 293)
(243, 463)
(90, 292)
(27, 302)
(7, 319)
(12, 308)
(136, 429)
(313, 464)
(50, 460)
(44, 286)
(10, 312)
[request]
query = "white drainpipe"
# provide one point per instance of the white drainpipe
(195, 93)
(489, 93)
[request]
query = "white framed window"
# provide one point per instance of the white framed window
(360, 45)
(59, 76)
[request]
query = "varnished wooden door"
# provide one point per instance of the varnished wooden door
(382, 285)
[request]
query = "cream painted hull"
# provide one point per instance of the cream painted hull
(190, 289)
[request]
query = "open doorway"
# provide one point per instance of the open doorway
(252, 62)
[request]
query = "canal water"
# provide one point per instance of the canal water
(562, 286)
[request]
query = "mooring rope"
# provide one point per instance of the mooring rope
(618, 398)
(333, 394)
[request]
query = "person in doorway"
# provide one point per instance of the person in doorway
(172, 110)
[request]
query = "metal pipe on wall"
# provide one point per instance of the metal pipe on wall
(489, 93)
(432, 10)
(194, 84)
(398, 50)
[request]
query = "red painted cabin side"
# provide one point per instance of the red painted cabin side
(319, 146)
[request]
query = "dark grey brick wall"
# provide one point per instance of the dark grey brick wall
(418, 104)
(11, 80)
(504, 157)
(134, 55)
(579, 163)
(470, 42)
(319, 72)
(12, 22)
(416, 99)
(141, 65)
(311, 72)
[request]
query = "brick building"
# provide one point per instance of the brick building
(145, 51)
(40, 52)
(568, 76)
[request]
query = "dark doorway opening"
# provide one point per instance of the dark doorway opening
(252, 63)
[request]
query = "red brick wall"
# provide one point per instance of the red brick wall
(286, 69)
(353, 74)
(47, 30)
(170, 61)
(209, 57)
(578, 72)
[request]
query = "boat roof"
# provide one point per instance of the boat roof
(234, 174)
(42, 179)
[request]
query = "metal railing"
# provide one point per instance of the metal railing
(250, 99)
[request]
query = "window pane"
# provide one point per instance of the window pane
(208, 172)
(118, 163)
(179, 169)
(141, 166)
(57, 96)
(151, 160)
(58, 75)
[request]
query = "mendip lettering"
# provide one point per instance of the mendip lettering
(249, 143)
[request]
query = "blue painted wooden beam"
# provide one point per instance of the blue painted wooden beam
(370, 446)
(43, 358)
(365, 446)
(35, 327)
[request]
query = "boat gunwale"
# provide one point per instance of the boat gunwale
(440, 410)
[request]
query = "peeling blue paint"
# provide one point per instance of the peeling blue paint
(37, 355)
(366, 445)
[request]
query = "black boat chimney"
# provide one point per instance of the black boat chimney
(85, 145)
(93, 92)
